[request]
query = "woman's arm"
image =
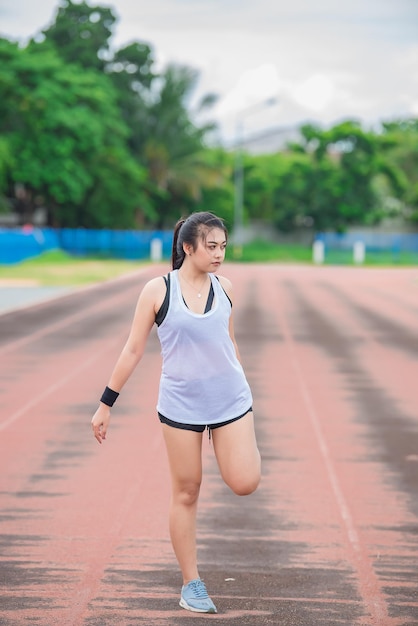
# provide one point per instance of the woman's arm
(147, 306)
(227, 287)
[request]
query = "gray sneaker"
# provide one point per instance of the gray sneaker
(194, 597)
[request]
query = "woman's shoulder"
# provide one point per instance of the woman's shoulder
(155, 289)
(225, 284)
(155, 284)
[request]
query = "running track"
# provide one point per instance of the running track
(330, 537)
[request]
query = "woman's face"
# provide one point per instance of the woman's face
(210, 251)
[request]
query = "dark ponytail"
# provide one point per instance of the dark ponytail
(177, 252)
(189, 230)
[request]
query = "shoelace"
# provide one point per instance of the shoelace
(199, 589)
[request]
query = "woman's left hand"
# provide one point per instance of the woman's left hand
(100, 422)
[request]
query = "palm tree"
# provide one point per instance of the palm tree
(172, 147)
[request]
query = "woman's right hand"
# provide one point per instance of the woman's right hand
(100, 422)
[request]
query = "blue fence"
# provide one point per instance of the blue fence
(17, 244)
(123, 244)
(22, 243)
(394, 243)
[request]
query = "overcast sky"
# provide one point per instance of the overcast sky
(323, 60)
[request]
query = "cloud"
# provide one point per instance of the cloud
(323, 59)
(315, 93)
(253, 86)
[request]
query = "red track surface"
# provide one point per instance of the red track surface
(330, 537)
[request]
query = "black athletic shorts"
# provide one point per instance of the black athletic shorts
(199, 428)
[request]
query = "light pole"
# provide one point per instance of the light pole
(239, 173)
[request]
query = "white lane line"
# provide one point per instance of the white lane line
(47, 392)
(101, 558)
(315, 422)
(366, 575)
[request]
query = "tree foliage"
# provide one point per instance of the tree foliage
(399, 147)
(101, 139)
(331, 179)
(61, 125)
(80, 33)
(112, 145)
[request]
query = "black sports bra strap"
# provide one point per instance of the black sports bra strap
(159, 318)
(162, 312)
(209, 301)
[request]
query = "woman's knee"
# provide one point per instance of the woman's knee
(247, 487)
(186, 494)
(244, 485)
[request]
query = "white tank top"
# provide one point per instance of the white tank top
(202, 381)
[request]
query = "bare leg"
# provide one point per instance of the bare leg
(184, 450)
(237, 455)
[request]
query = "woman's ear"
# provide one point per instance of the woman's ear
(188, 249)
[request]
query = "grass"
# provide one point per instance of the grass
(57, 268)
(268, 252)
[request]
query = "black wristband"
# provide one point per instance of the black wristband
(109, 396)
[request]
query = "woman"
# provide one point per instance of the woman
(202, 384)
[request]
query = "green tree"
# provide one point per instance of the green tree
(278, 189)
(331, 179)
(337, 185)
(80, 33)
(399, 145)
(218, 196)
(6, 164)
(62, 126)
(155, 108)
(172, 147)
(131, 72)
